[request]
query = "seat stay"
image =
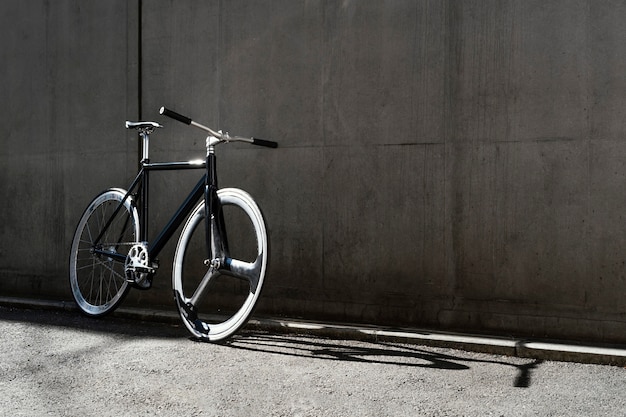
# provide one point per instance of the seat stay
(128, 195)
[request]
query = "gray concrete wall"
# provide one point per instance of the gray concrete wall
(67, 82)
(450, 164)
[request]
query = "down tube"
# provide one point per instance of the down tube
(177, 219)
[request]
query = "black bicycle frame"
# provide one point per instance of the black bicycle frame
(206, 187)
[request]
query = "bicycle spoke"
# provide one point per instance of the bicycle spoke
(204, 285)
(248, 271)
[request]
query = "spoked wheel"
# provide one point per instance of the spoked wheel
(214, 300)
(97, 275)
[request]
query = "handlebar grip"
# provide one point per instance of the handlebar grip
(263, 142)
(175, 116)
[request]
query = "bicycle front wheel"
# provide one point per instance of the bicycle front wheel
(97, 276)
(214, 302)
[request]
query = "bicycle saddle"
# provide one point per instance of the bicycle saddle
(142, 125)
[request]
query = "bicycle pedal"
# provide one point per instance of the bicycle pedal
(142, 282)
(143, 269)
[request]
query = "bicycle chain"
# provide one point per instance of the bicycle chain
(120, 244)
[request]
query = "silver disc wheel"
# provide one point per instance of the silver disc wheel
(214, 301)
(97, 277)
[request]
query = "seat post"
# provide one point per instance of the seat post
(144, 134)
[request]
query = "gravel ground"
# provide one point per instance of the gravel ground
(61, 363)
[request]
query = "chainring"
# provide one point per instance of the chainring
(137, 267)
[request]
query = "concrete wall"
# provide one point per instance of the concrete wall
(67, 82)
(450, 164)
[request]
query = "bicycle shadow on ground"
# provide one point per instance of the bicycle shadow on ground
(393, 354)
(375, 353)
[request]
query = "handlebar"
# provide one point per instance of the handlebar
(175, 116)
(223, 136)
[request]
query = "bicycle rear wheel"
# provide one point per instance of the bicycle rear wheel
(215, 301)
(97, 276)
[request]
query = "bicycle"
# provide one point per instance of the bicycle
(110, 252)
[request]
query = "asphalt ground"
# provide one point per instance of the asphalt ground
(58, 362)
(510, 346)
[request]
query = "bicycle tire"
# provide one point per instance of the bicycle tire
(99, 283)
(228, 300)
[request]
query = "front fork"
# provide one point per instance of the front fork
(216, 241)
